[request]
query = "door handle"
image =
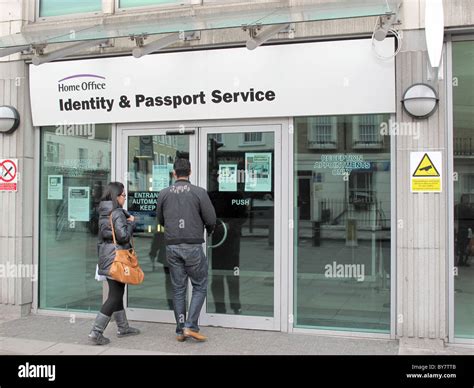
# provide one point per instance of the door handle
(223, 238)
(180, 132)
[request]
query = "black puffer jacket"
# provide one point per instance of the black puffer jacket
(123, 234)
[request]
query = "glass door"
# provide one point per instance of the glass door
(239, 167)
(146, 165)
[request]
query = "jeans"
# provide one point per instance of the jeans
(187, 260)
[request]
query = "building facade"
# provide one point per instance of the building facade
(303, 144)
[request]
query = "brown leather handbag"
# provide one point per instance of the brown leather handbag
(125, 267)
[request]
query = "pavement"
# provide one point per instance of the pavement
(54, 335)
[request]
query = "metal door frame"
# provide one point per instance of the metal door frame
(243, 321)
(202, 128)
(121, 160)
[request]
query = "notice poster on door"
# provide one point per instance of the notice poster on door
(161, 177)
(146, 147)
(227, 177)
(258, 167)
(78, 204)
(55, 187)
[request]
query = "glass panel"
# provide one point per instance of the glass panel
(142, 3)
(241, 187)
(342, 228)
(150, 166)
(279, 14)
(64, 7)
(463, 94)
(75, 167)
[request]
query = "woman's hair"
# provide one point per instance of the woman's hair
(112, 191)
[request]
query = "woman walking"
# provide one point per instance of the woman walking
(112, 205)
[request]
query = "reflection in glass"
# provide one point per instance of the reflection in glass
(150, 170)
(463, 93)
(75, 167)
(342, 228)
(241, 188)
(61, 7)
(144, 3)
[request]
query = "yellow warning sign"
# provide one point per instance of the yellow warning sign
(426, 168)
(426, 185)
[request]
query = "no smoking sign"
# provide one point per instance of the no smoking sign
(8, 174)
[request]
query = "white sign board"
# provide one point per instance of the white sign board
(8, 174)
(55, 187)
(323, 78)
(227, 177)
(258, 167)
(161, 177)
(78, 204)
(426, 170)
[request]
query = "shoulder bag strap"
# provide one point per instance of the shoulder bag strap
(113, 230)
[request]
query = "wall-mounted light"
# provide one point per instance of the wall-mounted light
(9, 119)
(420, 101)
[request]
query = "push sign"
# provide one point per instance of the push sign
(8, 174)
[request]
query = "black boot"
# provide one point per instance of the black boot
(122, 324)
(96, 334)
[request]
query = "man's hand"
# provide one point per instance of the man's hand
(131, 219)
(210, 229)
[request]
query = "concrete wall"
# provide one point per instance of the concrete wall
(456, 13)
(422, 218)
(16, 209)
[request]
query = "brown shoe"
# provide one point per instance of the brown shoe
(188, 333)
(180, 337)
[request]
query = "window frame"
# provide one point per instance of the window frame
(313, 125)
(67, 16)
(141, 8)
(292, 295)
(244, 143)
(357, 143)
(39, 172)
(450, 189)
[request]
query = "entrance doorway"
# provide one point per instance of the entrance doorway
(239, 167)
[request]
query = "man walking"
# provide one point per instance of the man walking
(185, 210)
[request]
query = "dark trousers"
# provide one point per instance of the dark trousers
(114, 300)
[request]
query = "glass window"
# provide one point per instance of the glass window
(143, 3)
(66, 7)
(342, 228)
(241, 252)
(150, 167)
(75, 168)
(322, 132)
(253, 137)
(463, 94)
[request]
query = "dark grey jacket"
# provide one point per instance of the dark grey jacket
(123, 234)
(185, 210)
